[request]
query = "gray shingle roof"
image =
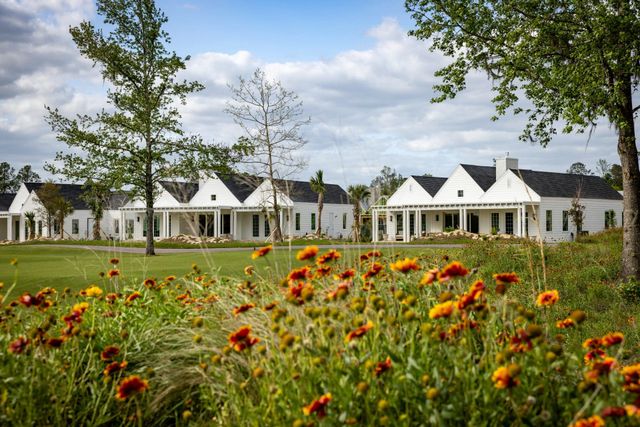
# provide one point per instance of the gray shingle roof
(241, 185)
(183, 192)
(552, 184)
(431, 184)
(484, 176)
(300, 191)
(5, 201)
(73, 193)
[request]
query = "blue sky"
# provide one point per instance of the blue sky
(277, 30)
(365, 83)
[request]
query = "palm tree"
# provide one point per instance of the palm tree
(31, 224)
(357, 193)
(318, 186)
(64, 208)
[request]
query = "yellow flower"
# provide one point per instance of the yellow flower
(547, 298)
(441, 310)
(505, 376)
(92, 291)
(307, 253)
(405, 265)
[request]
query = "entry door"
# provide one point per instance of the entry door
(226, 224)
(473, 223)
(16, 230)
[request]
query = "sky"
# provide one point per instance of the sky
(363, 81)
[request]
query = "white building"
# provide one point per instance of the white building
(238, 207)
(78, 225)
(497, 199)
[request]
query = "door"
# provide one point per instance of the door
(473, 223)
(226, 224)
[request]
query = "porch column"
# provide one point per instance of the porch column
(461, 215)
(216, 223)
(21, 231)
(9, 227)
(121, 231)
(234, 223)
(374, 225)
(518, 224)
(405, 225)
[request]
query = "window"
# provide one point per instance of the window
(508, 222)
(399, 224)
(549, 220)
(423, 223)
(75, 226)
(526, 224)
(451, 221)
(116, 226)
(412, 224)
(267, 227)
(39, 228)
(56, 226)
(297, 221)
(344, 221)
(156, 226)
(169, 224)
(609, 219)
(313, 221)
(565, 220)
(129, 229)
(495, 222)
(213, 197)
(255, 225)
(437, 217)
(460, 193)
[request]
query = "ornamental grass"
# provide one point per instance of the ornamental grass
(368, 340)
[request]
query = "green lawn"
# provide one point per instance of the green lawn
(76, 267)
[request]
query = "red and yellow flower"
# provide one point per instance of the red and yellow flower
(242, 308)
(547, 298)
(261, 252)
(444, 309)
(565, 323)
(114, 272)
(241, 339)
(382, 367)
(109, 353)
(330, 255)
(506, 278)
(631, 376)
(452, 270)
(612, 339)
(405, 265)
(318, 406)
(506, 376)
(307, 253)
(114, 367)
(594, 421)
(301, 273)
(19, 345)
(131, 386)
(358, 332)
(375, 268)
(133, 296)
(429, 277)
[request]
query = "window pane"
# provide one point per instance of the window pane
(549, 221)
(255, 225)
(508, 222)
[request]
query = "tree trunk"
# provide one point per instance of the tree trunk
(48, 225)
(320, 206)
(356, 223)
(277, 231)
(96, 227)
(631, 186)
(150, 249)
(61, 222)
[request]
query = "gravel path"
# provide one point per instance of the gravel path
(246, 249)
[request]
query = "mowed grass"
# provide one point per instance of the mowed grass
(76, 268)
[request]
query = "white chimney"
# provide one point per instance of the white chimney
(504, 163)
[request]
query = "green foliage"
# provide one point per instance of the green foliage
(630, 291)
(388, 181)
(7, 178)
(357, 193)
(318, 186)
(579, 168)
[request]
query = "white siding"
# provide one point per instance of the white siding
(459, 180)
(409, 193)
(509, 188)
(213, 185)
(263, 196)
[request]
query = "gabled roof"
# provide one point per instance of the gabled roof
(241, 186)
(300, 191)
(553, 184)
(5, 200)
(431, 184)
(73, 193)
(183, 192)
(484, 176)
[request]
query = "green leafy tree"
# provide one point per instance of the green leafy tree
(30, 218)
(96, 195)
(616, 176)
(48, 200)
(62, 209)
(388, 181)
(357, 194)
(140, 140)
(26, 174)
(318, 186)
(579, 168)
(7, 178)
(575, 61)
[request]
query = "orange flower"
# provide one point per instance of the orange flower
(330, 255)
(114, 367)
(27, 299)
(261, 252)
(109, 353)
(248, 270)
(429, 277)
(612, 339)
(113, 273)
(18, 346)
(565, 323)
(405, 265)
(592, 343)
(307, 253)
(613, 411)
(318, 406)
(382, 367)
(300, 293)
(149, 283)
(375, 268)
(631, 375)
(114, 261)
(241, 339)
(243, 308)
(131, 385)
(358, 332)
(323, 271)
(134, 296)
(301, 273)
(347, 274)
(594, 421)
(594, 355)
(506, 377)
(547, 298)
(454, 269)
(632, 410)
(506, 278)
(170, 278)
(444, 309)
(340, 292)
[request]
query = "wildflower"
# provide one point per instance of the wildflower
(506, 376)
(18, 346)
(521, 342)
(300, 293)
(307, 253)
(150, 283)
(382, 367)
(318, 406)
(27, 299)
(358, 332)
(592, 343)
(270, 306)
(330, 255)
(323, 271)
(241, 339)
(565, 323)
(444, 309)
(347, 274)
(170, 278)
(632, 410)
(613, 411)
(55, 342)
(454, 269)
(91, 291)
(594, 355)
(109, 353)
(631, 375)
(429, 277)
(506, 278)
(594, 421)
(134, 296)
(612, 339)
(578, 316)
(405, 265)
(261, 252)
(111, 297)
(340, 292)
(375, 268)
(114, 367)
(80, 307)
(114, 261)
(131, 385)
(248, 270)
(604, 366)
(301, 273)
(242, 308)
(547, 298)
(113, 273)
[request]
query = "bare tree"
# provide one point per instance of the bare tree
(271, 118)
(576, 211)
